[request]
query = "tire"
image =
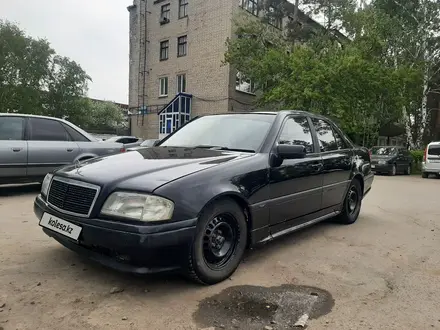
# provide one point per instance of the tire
(425, 175)
(350, 212)
(437, 176)
(408, 170)
(393, 170)
(223, 216)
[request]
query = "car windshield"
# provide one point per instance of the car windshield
(235, 131)
(384, 151)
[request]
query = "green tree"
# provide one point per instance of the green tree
(318, 75)
(33, 79)
(104, 115)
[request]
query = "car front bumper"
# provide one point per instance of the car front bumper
(431, 167)
(381, 168)
(137, 249)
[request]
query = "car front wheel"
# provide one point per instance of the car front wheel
(352, 204)
(393, 170)
(219, 244)
(408, 170)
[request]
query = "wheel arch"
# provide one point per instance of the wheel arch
(241, 201)
(360, 178)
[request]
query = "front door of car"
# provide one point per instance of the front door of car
(337, 158)
(295, 184)
(49, 146)
(13, 147)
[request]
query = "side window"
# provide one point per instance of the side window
(131, 140)
(326, 138)
(74, 135)
(47, 130)
(11, 128)
(340, 142)
(296, 131)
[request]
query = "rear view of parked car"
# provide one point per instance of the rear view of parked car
(127, 141)
(431, 160)
(32, 146)
(391, 160)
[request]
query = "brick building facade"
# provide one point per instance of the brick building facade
(176, 63)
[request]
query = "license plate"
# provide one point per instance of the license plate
(61, 226)
(373, 166)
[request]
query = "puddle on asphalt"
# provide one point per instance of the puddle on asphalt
(254, 307)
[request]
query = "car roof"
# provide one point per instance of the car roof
(274, 113)
(434, 143)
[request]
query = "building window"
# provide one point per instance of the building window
(163, 86)
(183, 8)
(165, 11)
(164, 47)
(274, 19)
(244, 84)
(181, 83)
(250, 5)
(182, 46)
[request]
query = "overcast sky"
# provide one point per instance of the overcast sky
(94, 33)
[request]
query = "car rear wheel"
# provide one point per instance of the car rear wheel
(393, 170)
(425, 175)
(219, 244)
(352, 204)
(408, 170)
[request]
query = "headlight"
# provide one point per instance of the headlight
(382, 162)
(138, 206)
(46, 183)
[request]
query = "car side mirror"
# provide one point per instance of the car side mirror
(288, 151)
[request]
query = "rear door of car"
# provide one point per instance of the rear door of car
(49, 146)
(337, 155)
(295, 185)
(13, 147)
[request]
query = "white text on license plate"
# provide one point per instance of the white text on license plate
(373, 166)
(60, 226)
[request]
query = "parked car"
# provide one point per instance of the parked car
(214, 187)
(146, 144)
(391, 160)
(32, 146)
(431, 160)
(127, 141)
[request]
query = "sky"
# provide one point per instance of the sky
(94, 33)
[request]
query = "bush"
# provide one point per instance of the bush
(417, 156)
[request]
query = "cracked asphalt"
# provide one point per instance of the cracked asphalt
(381, 273)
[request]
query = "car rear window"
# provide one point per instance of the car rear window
(384, 151)
(434, 150)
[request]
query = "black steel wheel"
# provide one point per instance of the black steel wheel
(219, 244)
(220, 240)
(352, 203)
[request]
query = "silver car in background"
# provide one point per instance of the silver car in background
(32, 146)
(127, 141)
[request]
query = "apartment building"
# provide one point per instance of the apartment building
(176, 62)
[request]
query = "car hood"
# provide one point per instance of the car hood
(147, 168)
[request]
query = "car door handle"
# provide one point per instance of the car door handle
(17, 149)
(69, 150)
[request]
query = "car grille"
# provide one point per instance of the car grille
(72, 197)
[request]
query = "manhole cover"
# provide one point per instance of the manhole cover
(254, 307)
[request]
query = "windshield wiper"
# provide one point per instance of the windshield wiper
(204, 146)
